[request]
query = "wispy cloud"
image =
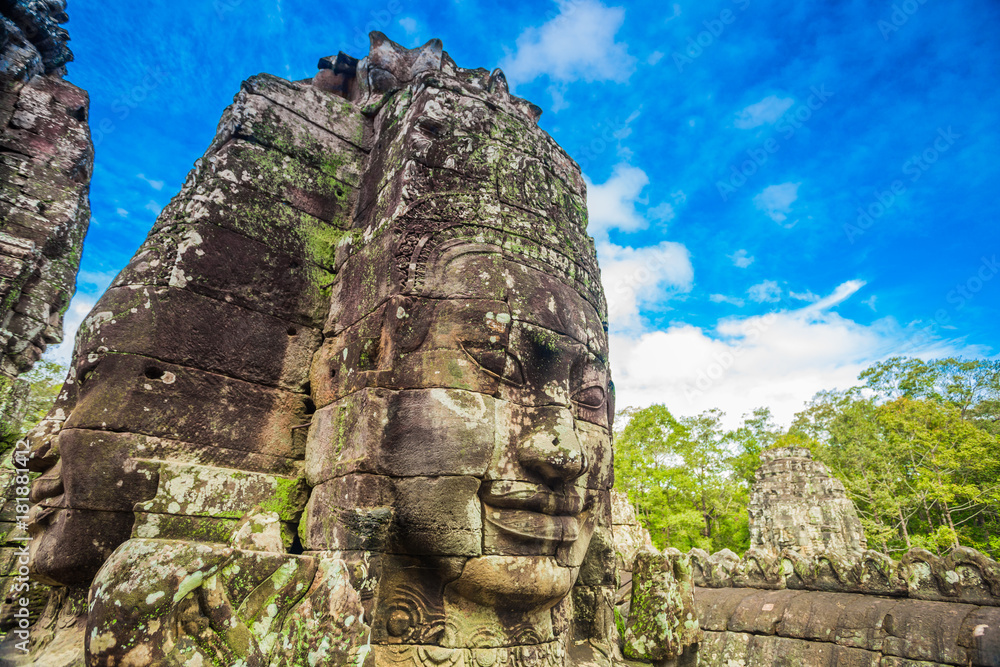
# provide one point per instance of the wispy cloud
(778, 360)
(638, 277)
(611, 204)
(156, 185)
(579, 43)
(722, 298)
(768, 110)
(741, 258)
(767, 291)
(776, 200)
(409, 24)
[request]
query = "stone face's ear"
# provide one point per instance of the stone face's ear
(337, 74)
(388, 67)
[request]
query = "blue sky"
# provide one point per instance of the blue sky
(781, 193)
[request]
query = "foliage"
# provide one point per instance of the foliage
(45, 381)
(917, 448)
(689, 479)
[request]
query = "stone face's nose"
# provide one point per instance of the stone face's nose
(552, 451)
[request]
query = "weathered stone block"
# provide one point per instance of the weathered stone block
(662, 623)
(402, 434)
(147, 396)
(183, 328)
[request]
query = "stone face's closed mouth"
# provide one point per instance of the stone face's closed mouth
(509, 494)
(533, 525)
(37, 516)
(532, 512)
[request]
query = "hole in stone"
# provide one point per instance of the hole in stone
(294, 264)
(310, 406)
(80, 113)
(292, 331)
(296, 547)
(154, 373)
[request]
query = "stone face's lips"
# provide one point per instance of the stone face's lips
(37, 516)
(46, 487)
(507, 494)
(531, 512)
(534, 526)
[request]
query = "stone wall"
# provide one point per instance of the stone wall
(806, 594)
(46, 159)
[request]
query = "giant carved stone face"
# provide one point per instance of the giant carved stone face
(467, 442)
(391, 308)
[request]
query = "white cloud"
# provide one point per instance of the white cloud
(654, 57)
(778, 360)
(768, 110)
(409, 24)
(722, 298)
(579, 43)
(94, 282)
(156, 185)
(153, 207)
(634, 277)
(776, 200)
(741, 258)
(611, 205)
(804, 296)
(870, 301)
(122, 212)
(767, 291)
(663, 212)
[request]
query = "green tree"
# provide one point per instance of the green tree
(45, 381)
(681, 476)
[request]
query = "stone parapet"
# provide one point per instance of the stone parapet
(751, 627)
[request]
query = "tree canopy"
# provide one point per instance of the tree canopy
(917, 446)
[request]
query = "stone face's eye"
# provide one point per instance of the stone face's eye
(498, 363)
(591, 397)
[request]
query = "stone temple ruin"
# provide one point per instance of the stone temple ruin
(350, 404)
(796, 505)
